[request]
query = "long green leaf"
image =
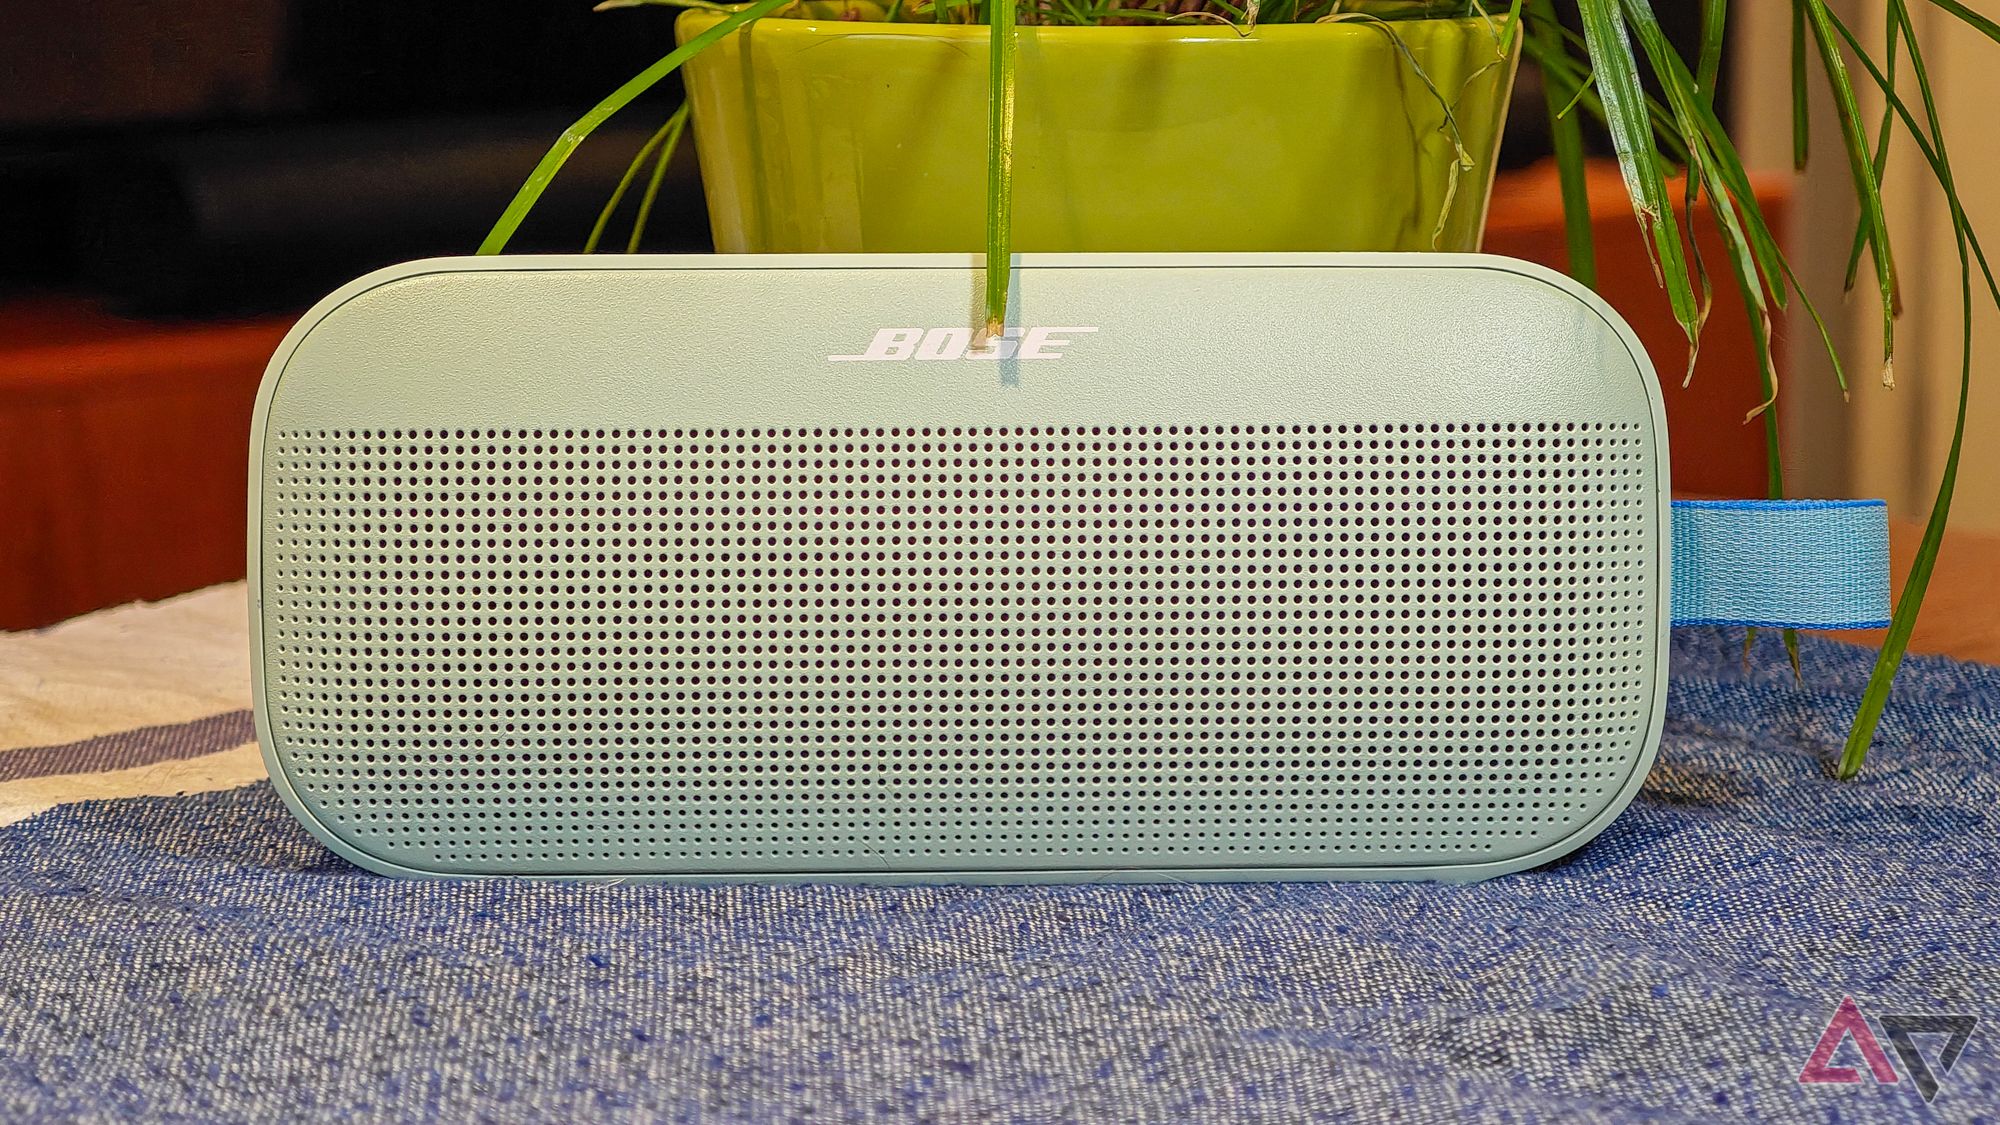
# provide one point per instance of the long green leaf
(1713, 164)
(1801, 99)
(1584, 81)
(999, 164)
(1903, 623)
(538, 181)
(1638, 160)
(1727, 165)
(1714, 27)
(1510, 28)
(1544, 35)
(1717, 164)
(624, 184)
(1693, 101)
(1883, 135)
(1713, 161)
(1979, 23)
(1866, 190)
(1771, 262)
(676, 125)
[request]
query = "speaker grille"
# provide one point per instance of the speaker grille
(939, 649)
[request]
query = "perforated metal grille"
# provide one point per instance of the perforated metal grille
(1051, 648)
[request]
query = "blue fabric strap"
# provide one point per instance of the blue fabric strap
(1782, 564)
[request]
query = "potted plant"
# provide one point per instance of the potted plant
(854, 125)
(1351, 134)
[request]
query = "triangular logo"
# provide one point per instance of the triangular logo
(1900, 1028)
(1847, 1023)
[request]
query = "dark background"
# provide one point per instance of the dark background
(191, 157)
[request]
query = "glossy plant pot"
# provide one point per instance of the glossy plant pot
(843, 137)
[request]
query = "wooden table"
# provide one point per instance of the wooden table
(123, 455)
(1961, 615)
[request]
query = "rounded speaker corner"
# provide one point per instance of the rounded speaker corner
(1585, 834)
(288, 795)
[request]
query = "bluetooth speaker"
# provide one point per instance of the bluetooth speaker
(1211, 568)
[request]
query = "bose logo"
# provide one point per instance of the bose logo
(956, 343)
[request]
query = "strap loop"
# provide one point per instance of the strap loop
(1781, 564)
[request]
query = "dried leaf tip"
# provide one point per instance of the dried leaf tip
(1889, 374)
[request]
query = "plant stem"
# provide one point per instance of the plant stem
(1618, 87)
(676, 125)
(1567, 131)
(1903, 623)
(624, 185)
(999, 165)
(572, 137)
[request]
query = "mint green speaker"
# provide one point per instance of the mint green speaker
(1216, 568)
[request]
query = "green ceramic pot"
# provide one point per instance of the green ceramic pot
(843, 137)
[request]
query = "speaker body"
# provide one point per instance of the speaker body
(1221, 568)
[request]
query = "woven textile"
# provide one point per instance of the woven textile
(1806, 564)
(201, 958)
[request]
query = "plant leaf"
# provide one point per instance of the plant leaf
(1875, 698)
(999, 164)
(1544, 36)
(538, 180)
(676, 125)
(1717, 162)
(1638, 160)
(1867, 191)
(1979, 23)
(1729, 187)
(1585, 80)
(1714, 27)
(1881, 160)
(1728, 166)
(1462, 161)
(1801, 98)
(624, 184)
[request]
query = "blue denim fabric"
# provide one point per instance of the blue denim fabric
(201, 958)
